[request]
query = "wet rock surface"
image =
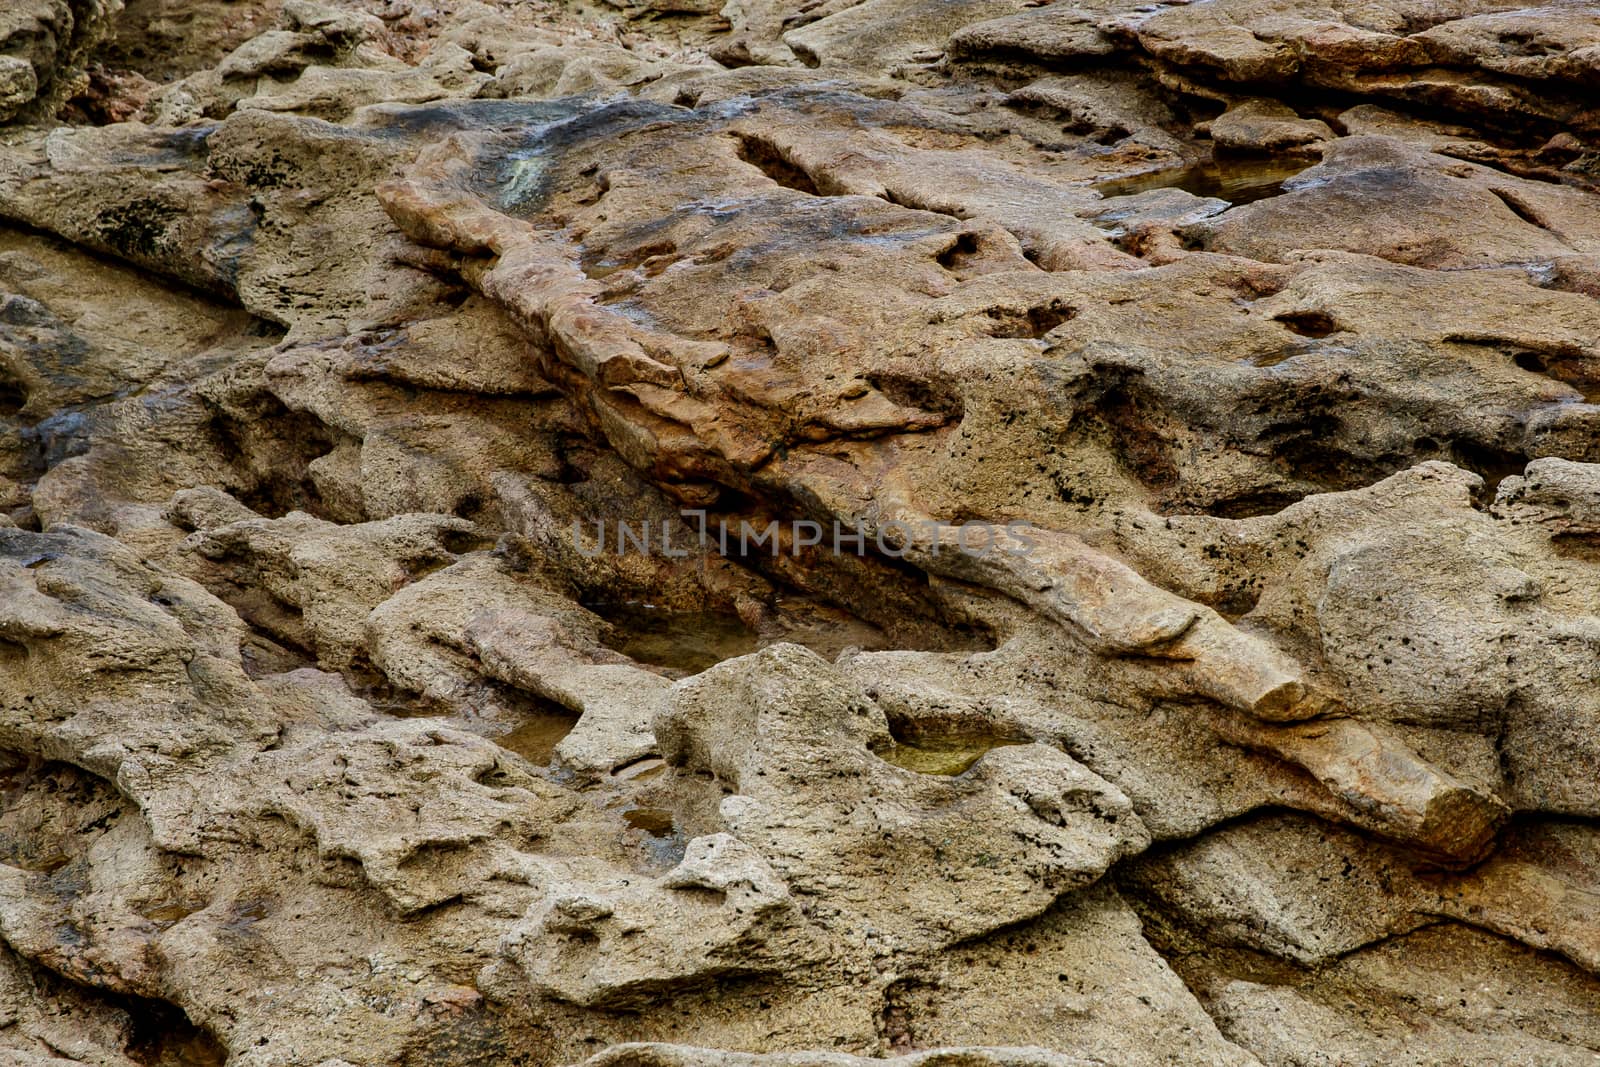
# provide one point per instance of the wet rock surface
(1180, 634)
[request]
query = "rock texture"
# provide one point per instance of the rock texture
(1172, 438)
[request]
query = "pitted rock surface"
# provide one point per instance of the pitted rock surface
(1200, 662)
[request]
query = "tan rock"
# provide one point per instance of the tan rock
(1265, 126)
(1273, 741)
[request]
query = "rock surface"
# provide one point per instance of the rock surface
(983, 534)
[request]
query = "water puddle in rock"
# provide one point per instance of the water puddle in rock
(518, 721)
(1238, 181)
(659, 834)
(657, 822)
(536, 738)
(944, 755)
(680, 641)
(828, 632)
(528, 724)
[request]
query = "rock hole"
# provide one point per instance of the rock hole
(162, 1036)
(1309, 323)
(680, 642)
(770, 160)
(1521, 43)
(804, 54)
(261, 656)
(1520, 208)
(575, 456)
(542, 725)
(13, 655)
(458, 542)
(272, 448)
(941, 746)
(266, 329)
(1250, 505)
(640, 769)
(13, 397)
(663, 840)
(384, 696)
(1567, 364)
(895, 1021)
(1490, 463)
(1238, 181)
(1034, 323)
(15, 769)
(1530, 361)
(657, 822)
(960, 251)
(1132, 424)
(470, 506)
(941, 398)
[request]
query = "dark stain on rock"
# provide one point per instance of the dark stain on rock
(136, 229)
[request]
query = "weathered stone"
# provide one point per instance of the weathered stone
(44, 48)
(683, 1056)
(1264, 126)
(792, 741)
(1378, 196)
(720, 913)
(1193, 659)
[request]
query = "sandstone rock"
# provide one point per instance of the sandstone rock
(18, 83)
(46, 1022)
(795, 745)
(1264, 126)
(884, 33)
(682, 1056)
(1432, 213)
(1395, 54)
(1119, 998)
(1200, 643)
(616, 701)
(44, 47)
(1049, 33)
(328, 577)
(1473, 1000)
(1524, 893)
(720, 913)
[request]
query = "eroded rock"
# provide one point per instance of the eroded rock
(1200, 644)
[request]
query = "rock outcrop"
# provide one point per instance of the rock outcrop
(988, 533)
